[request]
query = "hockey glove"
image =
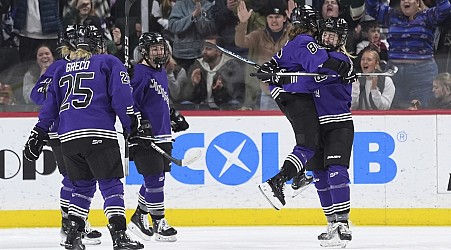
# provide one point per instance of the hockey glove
(350, 76)
(178, 121)
(344, 69)
(35, 143)
(142, 135)
(267, 70)
(270, 68)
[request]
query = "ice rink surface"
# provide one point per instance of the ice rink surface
(236, 238)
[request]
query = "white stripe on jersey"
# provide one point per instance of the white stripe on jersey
(163, 138)
(335, 118)
(83, 133)
(53, 135)
(276, 91)
(130, 110)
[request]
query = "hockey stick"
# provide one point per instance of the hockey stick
(230, 53)
(128, 5)
(389, 72)
(180, 162)
(126, 161)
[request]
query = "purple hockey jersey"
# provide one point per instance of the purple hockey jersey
(151, 97)
(39, 93)
(302, 54)
(87, 95)
(332, 97)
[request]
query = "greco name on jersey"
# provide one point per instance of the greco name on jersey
(78, 65)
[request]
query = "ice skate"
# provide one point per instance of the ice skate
(337, 235)
(65, 224)
(91, 236)
(330, 237)
(139, 225)
(163, 231)
(300, 183)
(344, 234)
(121, 241)
(73, 239)
(273, 190)
(88, 237)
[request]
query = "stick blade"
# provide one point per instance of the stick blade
(192, 157)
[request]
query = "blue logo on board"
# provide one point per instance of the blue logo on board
(232, 158)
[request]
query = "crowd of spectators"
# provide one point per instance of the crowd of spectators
(412, 35)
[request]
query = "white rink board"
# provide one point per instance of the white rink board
(421, 160)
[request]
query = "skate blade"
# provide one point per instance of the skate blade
(162, 238)
(333, 243)
(266, 190)
(91, 241)
(135, 230)
(296, 192)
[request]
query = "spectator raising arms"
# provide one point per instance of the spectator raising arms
(351, 10)
(262, 44)
(224, 14)
(372, 92)
(190, 22)
(411, 37)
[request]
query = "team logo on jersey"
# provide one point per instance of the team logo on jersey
(320, 78)
(232, 158)
(45, 84)
(316, 93)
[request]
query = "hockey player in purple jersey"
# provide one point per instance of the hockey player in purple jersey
(151, 96)
(301, 53)
(86, 94)
(332, 138)
(38, 95)
(331, 161)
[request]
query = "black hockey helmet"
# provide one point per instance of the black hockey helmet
(89, 38)
(336, 25)
(68, 37)
(306, 17)
(97, 37)
(149, 39)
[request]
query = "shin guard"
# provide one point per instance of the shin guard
(324, 193)
(154, 195)
(113, 195)
(80, 202)
(339, 186)
(65, 195)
